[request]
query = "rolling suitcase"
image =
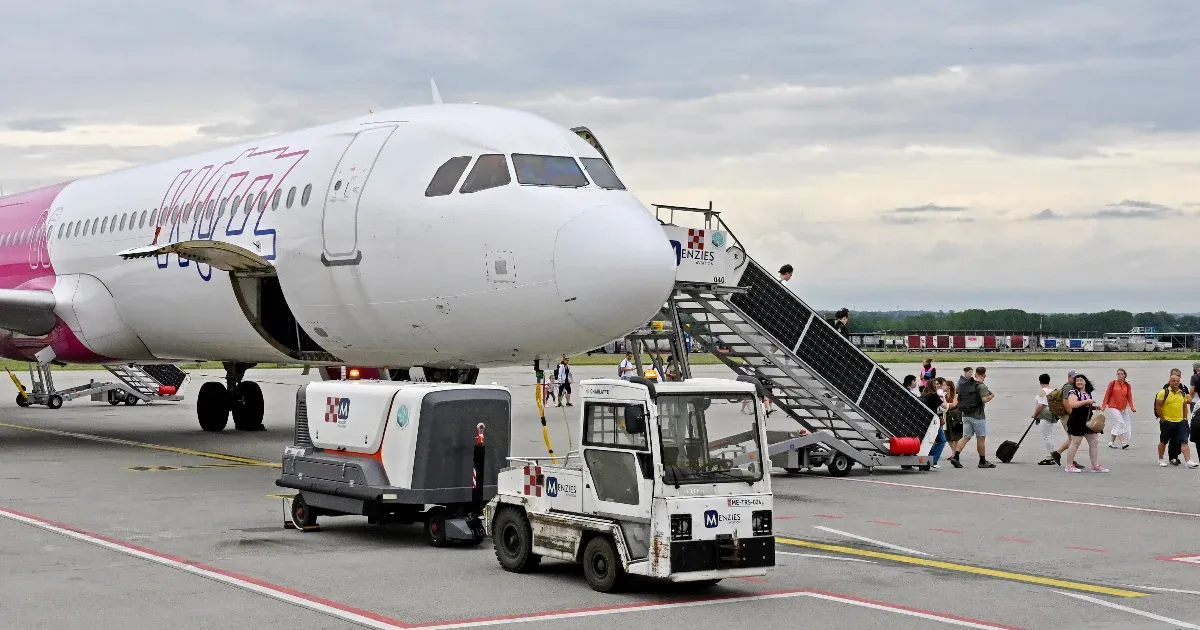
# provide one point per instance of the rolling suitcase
(1008, 448)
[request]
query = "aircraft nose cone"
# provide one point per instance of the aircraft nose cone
(614, 269)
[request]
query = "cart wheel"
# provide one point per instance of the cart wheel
(22, 401)
(435, 528)
(840, 465)
(54, 401)
(131, 400)
(792, 471)
(512, 537)
(602, 565)
(924, 468)
(302, 515)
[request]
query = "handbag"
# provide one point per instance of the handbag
(1096, 423)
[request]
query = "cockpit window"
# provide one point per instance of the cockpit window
(602, 174)
(548, 170)
(490, 171)
(447, 176)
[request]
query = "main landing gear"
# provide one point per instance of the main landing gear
(240, 398)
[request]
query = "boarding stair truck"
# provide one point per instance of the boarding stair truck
(850, 409)
(398, 452)
(668, 483)
(147, 383)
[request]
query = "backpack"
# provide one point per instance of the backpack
(1166, 392)
(1054, 401)
(969, 400)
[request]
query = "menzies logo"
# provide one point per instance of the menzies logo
(553, 488)
(337, 410)
(712, 518)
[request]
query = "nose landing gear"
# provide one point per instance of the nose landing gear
(241, 398)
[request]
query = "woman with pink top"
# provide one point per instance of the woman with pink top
(1118, 405)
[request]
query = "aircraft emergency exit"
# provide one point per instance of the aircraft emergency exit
(446, 236)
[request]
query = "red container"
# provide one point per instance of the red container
(1018, 341)
(929, 343)
(914, 342)
(989, 341)
(166, 390)
(943, 341)
(904, 445)
(960, 342)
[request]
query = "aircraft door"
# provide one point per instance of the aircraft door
(339, 219)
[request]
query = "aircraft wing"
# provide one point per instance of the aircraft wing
(26, 311)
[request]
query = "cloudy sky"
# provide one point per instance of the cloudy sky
(916, 154)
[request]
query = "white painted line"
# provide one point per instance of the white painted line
(1155, 588)
(297, 598)
(1107, 506)
(870, 540)
(823, 557)
(911, 612)
(1133, 611)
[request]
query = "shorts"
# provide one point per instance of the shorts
(1168, 431)
(974, 427)
(564, 388)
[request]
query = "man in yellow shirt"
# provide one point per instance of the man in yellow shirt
(1170, 405)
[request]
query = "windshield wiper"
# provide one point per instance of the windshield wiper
(707, 473)
(675, 476)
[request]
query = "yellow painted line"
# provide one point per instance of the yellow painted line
(962, 568)
(191, 467)
(246, 461)
(281, 496)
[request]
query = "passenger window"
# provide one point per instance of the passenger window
(291, 197)
(153, 216)
(60, 229)
(95, 226)
(78, 226)
(142, 221)
(602, 174)
(604, 425)
(490, 171)
(446, 177)
(224, 202)
(249, 203)
(187, 212)
(275, 199)
(237, 203)
(305, 195)
(124, 217)
(337, 186)
(262, 201)
(104, 225)
(548, 170)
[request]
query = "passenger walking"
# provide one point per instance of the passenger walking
(627, 370)
(1119, 406)
(564, 381)
(910, 383)
(1080, 404)
(951, 413)
(548, 391)
(967, 376)
(973, 397)
(1170, 405)
(928, 372)
(785, 274)
(1046, 420)
(1063, 391)
(931, 398)
(842, 322)
(1193, 393)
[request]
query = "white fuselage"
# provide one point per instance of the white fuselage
(373, 270)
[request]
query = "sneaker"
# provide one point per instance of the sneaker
(1099, 469)
(934, 466)
(1073, 469)
(1049, 461)
(1175, 462)
(1162, 462)
(1111, 445)
(1193, 464)
(1057, 457)
(1124, 447)
(954, 462)
(983, 463)
(1077, 465)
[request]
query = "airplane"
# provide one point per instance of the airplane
(447, 237)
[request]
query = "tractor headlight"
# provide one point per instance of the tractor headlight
(760, 522)
(681, 527)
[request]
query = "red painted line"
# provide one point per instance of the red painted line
(1187, 558)
(756, 580)
(888, 523)
(1092, 549)
(784, 518)
(826, 516)
(1016, 540)
(946, 531)
(1107, 506)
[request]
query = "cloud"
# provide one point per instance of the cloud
(44, 125)
(1045, 215)
(929, 207)
(1130, 209)
(909, 215)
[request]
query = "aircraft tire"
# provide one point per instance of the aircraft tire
(248, 407)
(212, 406)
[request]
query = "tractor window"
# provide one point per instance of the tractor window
(604, 425)
(709, 438)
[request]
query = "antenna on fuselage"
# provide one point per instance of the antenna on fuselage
(437, 96)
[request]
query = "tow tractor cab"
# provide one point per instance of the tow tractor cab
(669, 483)
(398, 452)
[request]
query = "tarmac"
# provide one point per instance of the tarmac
(131, 517)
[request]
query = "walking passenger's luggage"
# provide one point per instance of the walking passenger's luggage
(1054, 400)
(1008, 448)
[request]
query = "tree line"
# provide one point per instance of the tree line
(1017, 320)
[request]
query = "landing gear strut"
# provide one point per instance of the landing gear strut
(243, 399)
